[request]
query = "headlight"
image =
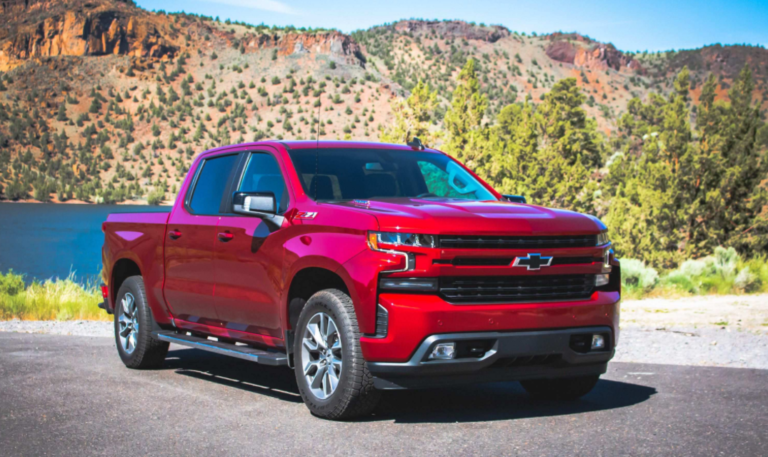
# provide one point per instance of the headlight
(602, 238)
(391, 240)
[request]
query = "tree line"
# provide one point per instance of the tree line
(676, 181)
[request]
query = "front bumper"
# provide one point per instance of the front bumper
(413, 318)
(509, 356)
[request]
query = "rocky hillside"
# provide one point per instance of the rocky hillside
(101, 100)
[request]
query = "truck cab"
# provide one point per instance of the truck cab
(364, 267)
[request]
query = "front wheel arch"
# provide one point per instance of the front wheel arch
(304, 284)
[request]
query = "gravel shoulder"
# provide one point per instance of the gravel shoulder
(724, 331)
(75, 328)
(740, 312)
(717, 347)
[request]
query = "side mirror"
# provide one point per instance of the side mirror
(254, 203)
(515, 198)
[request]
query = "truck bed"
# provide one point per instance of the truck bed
(139, 237)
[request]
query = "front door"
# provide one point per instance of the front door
(249, 256)
(190, 242)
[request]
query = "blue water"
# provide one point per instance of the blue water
(46, 241)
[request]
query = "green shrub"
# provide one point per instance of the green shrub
(746, 281)
(636, 275)
(723, 272)
(156, 197)
(11, 283)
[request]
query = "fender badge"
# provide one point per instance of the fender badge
(306, 215)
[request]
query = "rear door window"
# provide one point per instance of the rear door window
(211, 183)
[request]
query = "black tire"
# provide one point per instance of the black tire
(355, 395)
(561, 389)
(147, 352)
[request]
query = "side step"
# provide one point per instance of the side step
(262, 356)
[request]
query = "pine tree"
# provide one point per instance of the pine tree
(649, 184)
(546, 152)
(463, 122)
(729, 208)
(673, 196)
(95, 105)
(413, 117)
(62, 114)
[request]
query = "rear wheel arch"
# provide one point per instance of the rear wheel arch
(122, 270)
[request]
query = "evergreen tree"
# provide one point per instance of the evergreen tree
(95, 105)
(463, 122)
(727, 206)
(648, 184)
(672, 196)
(62, 114)
(413, 117)
(547, 152)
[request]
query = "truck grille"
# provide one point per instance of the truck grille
(515, 289)
(516, 242)
(506, 261)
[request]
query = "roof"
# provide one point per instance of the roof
(329, 144)
(309, 144)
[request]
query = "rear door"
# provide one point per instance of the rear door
(249, 255)
(190, 242)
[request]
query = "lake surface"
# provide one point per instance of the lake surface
(45, 241)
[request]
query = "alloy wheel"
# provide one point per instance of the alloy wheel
(128, 321)
(321, 356)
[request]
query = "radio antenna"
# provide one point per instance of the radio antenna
(317, 145)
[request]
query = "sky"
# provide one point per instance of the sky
(652, 25)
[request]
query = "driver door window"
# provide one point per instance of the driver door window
(263, 175)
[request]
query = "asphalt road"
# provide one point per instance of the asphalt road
(67, 395)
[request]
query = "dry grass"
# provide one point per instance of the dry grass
(54, 299)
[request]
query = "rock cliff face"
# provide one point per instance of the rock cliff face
(81, 29)
(54, 28)
(583, 52)
(459, 29)
(336, 45)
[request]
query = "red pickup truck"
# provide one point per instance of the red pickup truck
(364, 267)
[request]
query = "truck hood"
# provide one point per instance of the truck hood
(456, 217)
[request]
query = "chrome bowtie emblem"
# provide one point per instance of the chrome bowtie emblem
(532, 261)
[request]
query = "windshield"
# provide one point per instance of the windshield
(364, 174)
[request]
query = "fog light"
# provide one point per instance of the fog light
(598, 342)
(443, 351)
(602, 280)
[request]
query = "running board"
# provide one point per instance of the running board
(261, 356)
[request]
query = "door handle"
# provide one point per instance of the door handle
(174, 234)
(225, 236)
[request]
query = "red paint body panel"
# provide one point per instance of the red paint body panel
(189, 269)
(249, 276)
(230, 275)
(137, 237)
(415, 317)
